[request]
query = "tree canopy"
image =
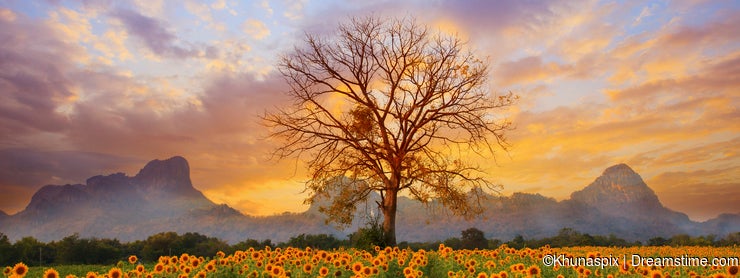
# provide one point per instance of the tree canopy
(388, 106)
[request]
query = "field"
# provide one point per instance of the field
(444, 262)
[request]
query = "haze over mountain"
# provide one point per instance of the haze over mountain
(161, 198)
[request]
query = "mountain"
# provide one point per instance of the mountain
(723, 222)
(618, 202)
(161, 197)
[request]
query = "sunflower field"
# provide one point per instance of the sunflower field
(502, 262)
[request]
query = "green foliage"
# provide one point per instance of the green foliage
(7, 253)
(32, 252)
(518, 242)
(160, 244)
(453, 242)
(494, 243)
(658, 241)
(473, 238)
(252, 243)
(320, 241)
(370, 236)
(168, 243)
(730, 240)
(73, 250)
(76, 250)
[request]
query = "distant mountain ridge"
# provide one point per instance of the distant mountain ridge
(161, 197)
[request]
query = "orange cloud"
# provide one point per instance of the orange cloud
(701, 193)
(661, 98)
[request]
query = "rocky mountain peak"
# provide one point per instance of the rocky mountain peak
(619, 169)
(621, 174)
(54, 198)
(172, 173)
(618, 187)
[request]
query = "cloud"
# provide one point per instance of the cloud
(153, 34)
(646, 12)
(33, 79)
(600, 83)
(218, 5)
(7, 15)
(529, 69)
(255, 28)
(703, 194)
(23, 171)
(116, 121)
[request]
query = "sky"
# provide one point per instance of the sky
(98, 87)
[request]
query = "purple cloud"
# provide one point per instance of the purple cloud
(154, 34)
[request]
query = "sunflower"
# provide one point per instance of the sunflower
(482, 275)
(7, 271)
(51, 273)
(624, 268)
(733, 270)
(277, 271)
(367, 271)
(140, 269)
(323, 271)
(656, 274)
(115, 273)
(408, 271)
(357, 267)
(307, 268)
(132, 259)
(533, 271)
(472, 262)
(201, 274)
(20, 269)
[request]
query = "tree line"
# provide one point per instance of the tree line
(76, 250)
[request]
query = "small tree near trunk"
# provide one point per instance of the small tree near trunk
(388, 106)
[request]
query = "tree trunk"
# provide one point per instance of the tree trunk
(389, 217)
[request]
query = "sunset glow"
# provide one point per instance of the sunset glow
(98, 87)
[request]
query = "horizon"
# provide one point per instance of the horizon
(494, 194)
(100, 88)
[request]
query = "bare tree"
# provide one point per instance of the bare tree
(385, 106)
